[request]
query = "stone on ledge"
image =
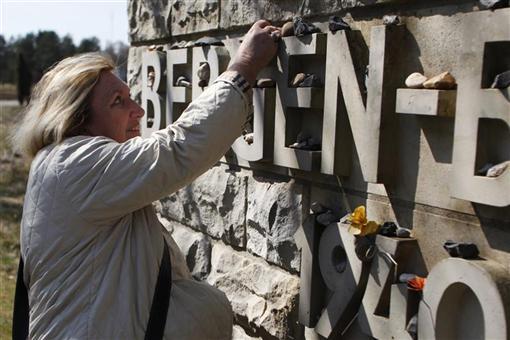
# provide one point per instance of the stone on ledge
(443, 81)
(415, 80)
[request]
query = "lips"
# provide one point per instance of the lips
(134, 129)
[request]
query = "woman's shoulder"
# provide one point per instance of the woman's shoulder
(82, 150)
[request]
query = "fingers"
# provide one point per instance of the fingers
(261, 23)
(270, 28)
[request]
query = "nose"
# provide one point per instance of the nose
(136, 110)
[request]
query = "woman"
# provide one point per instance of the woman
(91, 243)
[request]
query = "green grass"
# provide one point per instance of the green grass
(13, 175)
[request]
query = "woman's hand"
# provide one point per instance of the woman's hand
(257, 49)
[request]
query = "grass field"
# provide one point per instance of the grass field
(13, 175)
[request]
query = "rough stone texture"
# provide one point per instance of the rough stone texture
(194, 16)
(134, 72)
(214, 204)
(262, 296)
(196, 248)
(148, 19)
(236, 13)
(238, 333)
(274, 214)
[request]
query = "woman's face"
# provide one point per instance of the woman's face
(113, 113)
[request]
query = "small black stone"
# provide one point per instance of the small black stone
(303, 28)
(338, 24)
(502, 80)
(326, 218)
(483, 170)
(388, 229)
(317, 208)
(459, 249)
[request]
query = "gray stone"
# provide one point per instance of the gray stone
(391, 20)
(262, 296)
(182, 81)
(148, 19)
(494, 4)
(265, 83)
(403, 232)
(196, 248)
(501, 80)
(326, 218)
(214, 204)
(134, 72)
(302, 27)
(194, 16)
(498, 169)
(274, 214)
(338, 24)
(317, 208)
(208, 41)
(415, 80)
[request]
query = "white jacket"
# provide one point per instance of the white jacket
(90, 238)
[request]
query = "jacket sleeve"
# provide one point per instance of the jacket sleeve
(106, 180)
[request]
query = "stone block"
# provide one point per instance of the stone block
(439, 103)
(235, 13)
(134, 72)
(148, 19)
(194, 16)
(273, 215)
(196, 248)
(263, 297)
(214, 204)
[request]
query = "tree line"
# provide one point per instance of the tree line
(31, 55)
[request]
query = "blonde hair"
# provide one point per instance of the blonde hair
(59, 104)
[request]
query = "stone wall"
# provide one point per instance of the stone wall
(246, 226)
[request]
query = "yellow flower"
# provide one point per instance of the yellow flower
(360, 225)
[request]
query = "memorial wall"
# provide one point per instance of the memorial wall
(362, 201)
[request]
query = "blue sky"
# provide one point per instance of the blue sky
(106, 20)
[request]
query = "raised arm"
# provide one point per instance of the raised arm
(108, 179)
